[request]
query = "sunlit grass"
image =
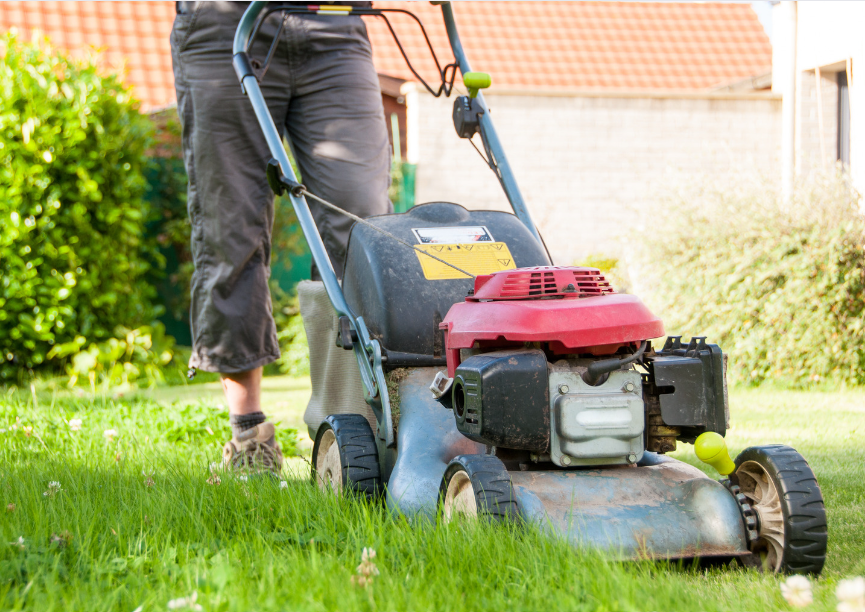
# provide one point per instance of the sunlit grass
(135, 522)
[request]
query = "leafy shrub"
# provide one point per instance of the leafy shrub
(72, 149)
(780, 287)
(134, 355)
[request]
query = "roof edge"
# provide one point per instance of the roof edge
(411, 86)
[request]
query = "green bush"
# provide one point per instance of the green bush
(72, 253)
(780, 287)
(123, 361)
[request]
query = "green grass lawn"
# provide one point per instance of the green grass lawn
(136, 524)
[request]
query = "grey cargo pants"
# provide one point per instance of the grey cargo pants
(323, 89)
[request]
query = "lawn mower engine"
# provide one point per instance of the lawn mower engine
(541, 369)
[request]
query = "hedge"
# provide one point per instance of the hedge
(779, 285)
(72, 253)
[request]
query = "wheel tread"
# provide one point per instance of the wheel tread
(804, 510)
(494, 492)
(358, 453)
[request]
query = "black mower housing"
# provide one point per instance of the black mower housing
(385, 283)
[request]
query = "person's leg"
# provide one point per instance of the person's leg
(243, 395)
(337, 127)
(230, 208)
(243, 391)
(338, 132)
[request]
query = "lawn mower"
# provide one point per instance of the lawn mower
(458, 372)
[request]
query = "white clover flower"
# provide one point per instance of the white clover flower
(75, 424)
(53, 488)
(283, 484)
(109, 434)
(243, 478)
(367, 569)
(182, 603)
(797, 591)
(18, 543)
(851, 595)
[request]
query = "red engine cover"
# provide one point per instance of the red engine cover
(573, 309)
(541, 282)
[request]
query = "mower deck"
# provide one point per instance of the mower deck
(662, 508)
(670, 510)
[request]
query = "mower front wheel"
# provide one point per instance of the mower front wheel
(345, 456)
(477, 486)
(791, 519)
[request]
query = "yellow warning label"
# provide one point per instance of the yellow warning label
(473, 257)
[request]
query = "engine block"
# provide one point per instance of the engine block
(595, 425)
(516, 399)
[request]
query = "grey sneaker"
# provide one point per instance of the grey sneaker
(254, 450)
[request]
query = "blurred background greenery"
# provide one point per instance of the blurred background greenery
(95, 265)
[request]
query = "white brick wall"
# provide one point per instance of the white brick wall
(585, 164)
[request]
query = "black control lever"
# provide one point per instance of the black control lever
(279, 183)
(347, 336)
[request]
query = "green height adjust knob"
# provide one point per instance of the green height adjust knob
(475, 81)
(711, 448)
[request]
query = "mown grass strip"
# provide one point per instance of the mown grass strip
(108, 541)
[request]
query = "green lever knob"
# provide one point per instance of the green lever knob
(711, 448)
(475, 81)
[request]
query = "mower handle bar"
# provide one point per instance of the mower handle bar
(489, 136)
(367, 351)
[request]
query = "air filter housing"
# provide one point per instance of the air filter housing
(502, 398)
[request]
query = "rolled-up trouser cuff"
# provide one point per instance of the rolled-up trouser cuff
(232, 366)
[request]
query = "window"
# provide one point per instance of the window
(843, 119)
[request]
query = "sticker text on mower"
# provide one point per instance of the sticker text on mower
(452, 235)
(483, 258)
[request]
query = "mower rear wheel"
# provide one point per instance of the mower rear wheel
(345, 456)
(477, 486)
(791, 519)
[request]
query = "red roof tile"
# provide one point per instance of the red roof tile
(525, 45)
(586, 45)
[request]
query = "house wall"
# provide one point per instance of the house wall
(811, 155)
(585, 164)
(825, 34)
